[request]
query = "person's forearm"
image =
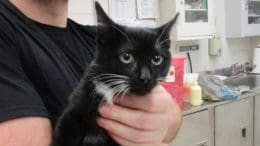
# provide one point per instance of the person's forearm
(176, 124)
(28, 131)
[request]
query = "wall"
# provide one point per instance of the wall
(234, 50)
(83, 12)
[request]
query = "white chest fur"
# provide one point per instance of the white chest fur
(106, 91)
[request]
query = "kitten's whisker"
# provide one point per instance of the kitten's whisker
(93, 93)
(110, 77)
(105, 77)
(121, 93)
(113, 80)
(124, 94)
(125, 91)
(119, 87)
(116, 83)
(110, 74)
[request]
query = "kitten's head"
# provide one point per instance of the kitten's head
(135, 59)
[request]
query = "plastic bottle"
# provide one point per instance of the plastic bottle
(196, 94)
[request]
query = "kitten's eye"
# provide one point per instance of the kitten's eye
(157, 60)
(126, 58)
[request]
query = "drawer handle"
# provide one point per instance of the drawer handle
(243, 132)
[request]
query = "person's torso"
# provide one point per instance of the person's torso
(54, 59)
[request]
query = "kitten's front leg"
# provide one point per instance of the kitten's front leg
(70, 130)
(77, 127)
(80, 130)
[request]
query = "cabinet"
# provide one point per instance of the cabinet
(227, 123)
(257, 121)
(234, 123)
(242, 18)
(195, 130)
(196, 18)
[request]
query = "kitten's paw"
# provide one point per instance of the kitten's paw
(95, 140)
(99, 140)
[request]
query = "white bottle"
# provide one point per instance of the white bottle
(196, 94)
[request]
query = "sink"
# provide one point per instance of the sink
(251, 81)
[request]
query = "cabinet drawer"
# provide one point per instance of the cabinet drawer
(257, 121)
(195, 130)
(234, 123)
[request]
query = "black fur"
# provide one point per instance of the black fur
(77, 126)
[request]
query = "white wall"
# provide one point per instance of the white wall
(83, 11)
(234, 50)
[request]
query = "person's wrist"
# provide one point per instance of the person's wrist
(175, 123)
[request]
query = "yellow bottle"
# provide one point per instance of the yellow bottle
(196, 94)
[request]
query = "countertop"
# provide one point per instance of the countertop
(189, 109)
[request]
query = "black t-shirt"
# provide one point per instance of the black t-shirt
(39, 64)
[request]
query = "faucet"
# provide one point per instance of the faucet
(244, 70)
(247, 67)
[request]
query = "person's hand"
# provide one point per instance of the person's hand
(151, 120)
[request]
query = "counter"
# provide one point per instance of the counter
(189, 109)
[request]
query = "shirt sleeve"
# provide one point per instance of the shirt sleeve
(18, 96)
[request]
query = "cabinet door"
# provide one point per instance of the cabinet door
(195, 130)
(234, 123)
(251, 17)
(242, 17)
(196, 17)
(196, 20)
(257, 121)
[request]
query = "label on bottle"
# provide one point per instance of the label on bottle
(171, 75)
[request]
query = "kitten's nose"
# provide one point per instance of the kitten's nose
(145, 75)
(144, 81)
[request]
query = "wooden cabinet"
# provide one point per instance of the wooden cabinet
(196, 20)
(195, 130)
(234, 123)
(242, 18)
(257, 121)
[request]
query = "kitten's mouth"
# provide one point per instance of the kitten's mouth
(141, 89)
(140, 93)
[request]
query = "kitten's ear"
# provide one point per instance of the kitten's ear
(165, 29)
(102, 18)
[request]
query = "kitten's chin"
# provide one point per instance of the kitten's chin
(141, 91)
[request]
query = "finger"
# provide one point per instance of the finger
(131, 134)
(155, 101)
(136, 119)
(124, 142)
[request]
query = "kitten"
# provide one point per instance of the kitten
(128, 60)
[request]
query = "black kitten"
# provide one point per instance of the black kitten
(128, 60)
